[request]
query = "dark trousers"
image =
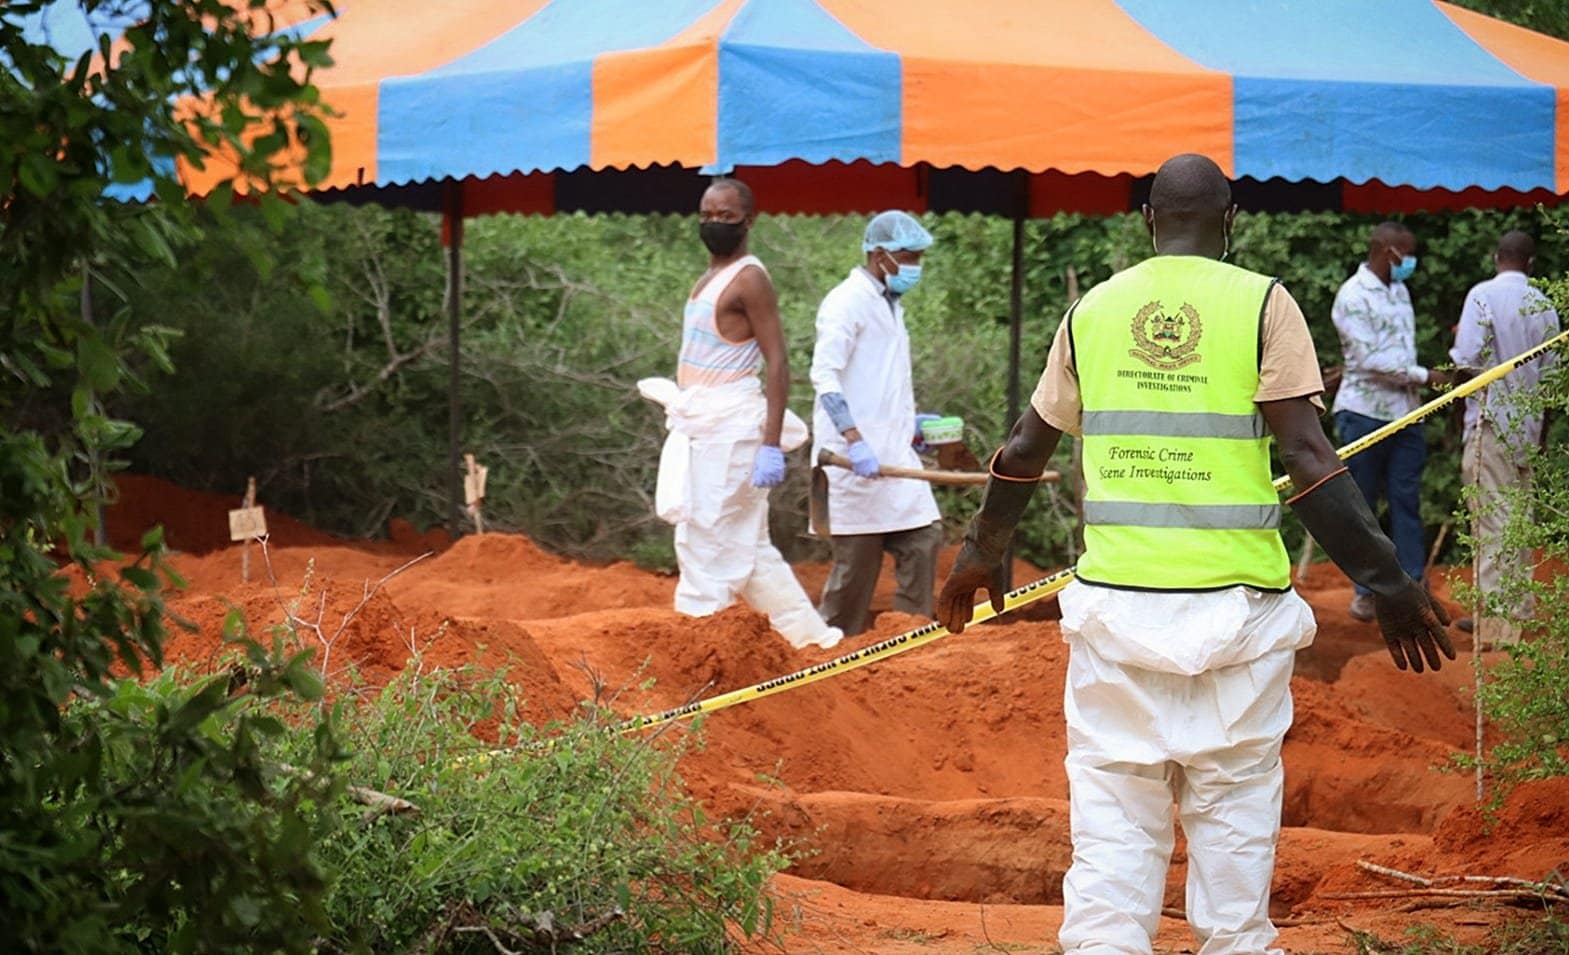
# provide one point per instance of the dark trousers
(1392, 468)
(858, 560)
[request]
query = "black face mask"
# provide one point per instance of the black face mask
(722, 238)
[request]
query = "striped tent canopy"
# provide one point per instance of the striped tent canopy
(1020, 107)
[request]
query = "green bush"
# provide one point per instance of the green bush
(561, 832)
(171, 822)
(132, 818)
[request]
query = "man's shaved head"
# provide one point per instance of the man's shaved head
(1190, 186)
(1516, 249)
(1189, 210)
(742, 191)
(1389, 235)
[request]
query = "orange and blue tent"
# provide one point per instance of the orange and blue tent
(1016, 106)
(1008, 107)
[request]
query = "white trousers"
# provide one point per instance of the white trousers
(724, 551)
(1140, 739)
(1490, 465)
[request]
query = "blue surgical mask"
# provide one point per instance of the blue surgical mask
(1403, 270)
(903, 280)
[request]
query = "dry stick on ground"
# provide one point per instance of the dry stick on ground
(1438, 545)
(1549, 890)
(1520, 894)
(377, 802)
(544, 931)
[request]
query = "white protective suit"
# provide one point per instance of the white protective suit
(863, 353)
(1183, 696)
(705, 489)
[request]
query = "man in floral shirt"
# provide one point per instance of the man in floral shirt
(1381, 383)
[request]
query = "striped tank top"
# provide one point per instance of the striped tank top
(707, 357)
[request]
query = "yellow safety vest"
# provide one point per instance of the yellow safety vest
(1176, 455)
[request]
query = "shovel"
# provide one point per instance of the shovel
(826, 458)
(818, 497)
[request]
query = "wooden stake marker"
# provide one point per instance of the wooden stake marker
(247, 523)
(474, 491)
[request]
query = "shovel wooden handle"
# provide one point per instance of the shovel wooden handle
(827, 457)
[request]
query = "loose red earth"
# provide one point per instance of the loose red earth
(928, 789)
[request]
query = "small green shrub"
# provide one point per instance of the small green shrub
(1544, 936)
(168, 820)
(588, 833)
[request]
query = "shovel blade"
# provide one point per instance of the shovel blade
(818, 502)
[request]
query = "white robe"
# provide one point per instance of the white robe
(863, 353)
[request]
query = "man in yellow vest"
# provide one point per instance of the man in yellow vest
(1182, 627)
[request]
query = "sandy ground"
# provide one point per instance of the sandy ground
(929, 788)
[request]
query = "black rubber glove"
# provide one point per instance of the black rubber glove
(980, 561)
(1413, 624)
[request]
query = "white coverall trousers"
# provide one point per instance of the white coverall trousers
(705, 490)
(724, 550)
(1179, 697)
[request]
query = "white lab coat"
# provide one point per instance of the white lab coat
(1183, 696)
(705, 489)
(863, 353)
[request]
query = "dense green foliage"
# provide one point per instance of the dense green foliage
(337, 401)
(209, 813)
(130, 817)
(587, 834)
(339, 406)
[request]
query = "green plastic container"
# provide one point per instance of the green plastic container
(943, 430)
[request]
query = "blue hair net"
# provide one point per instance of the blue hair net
(895, 231)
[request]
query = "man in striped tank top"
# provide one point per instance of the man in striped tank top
(729, 432)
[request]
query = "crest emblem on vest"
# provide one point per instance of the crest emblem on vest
(1167, 340)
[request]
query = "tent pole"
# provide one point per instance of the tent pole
(452, 222)
(1015, 337)
(1015, 319)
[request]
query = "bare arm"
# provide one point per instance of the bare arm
(761, 305)
(1030, 445)
(1305, 452)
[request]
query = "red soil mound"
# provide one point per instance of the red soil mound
(508, 577)
(928, 783)
(193, 521)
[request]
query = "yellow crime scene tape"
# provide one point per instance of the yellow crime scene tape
(1044, 587)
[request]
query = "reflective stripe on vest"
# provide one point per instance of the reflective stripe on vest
(1176, 424)
(1208, 517)
(1176, 455)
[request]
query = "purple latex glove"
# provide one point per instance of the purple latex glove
(863, 460)
(768, 468)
